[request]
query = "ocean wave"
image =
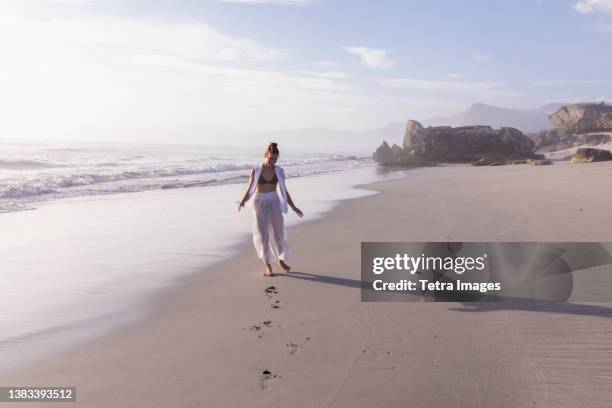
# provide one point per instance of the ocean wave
(51, 183)
(96, 175)
(26, 164)
(109, 164)
(25, 190)
(132, 158)
(8, 206)
(339, 157)
(181, 184)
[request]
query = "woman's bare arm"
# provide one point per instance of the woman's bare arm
(246, 194)
(293, 207)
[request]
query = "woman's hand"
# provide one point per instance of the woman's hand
(297, 211)
(240, 205)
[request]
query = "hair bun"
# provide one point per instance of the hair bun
(272, 148)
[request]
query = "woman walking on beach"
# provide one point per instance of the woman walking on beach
(268, 224)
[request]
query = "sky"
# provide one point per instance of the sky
(194, 70)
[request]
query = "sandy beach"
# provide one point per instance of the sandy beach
(208, 341)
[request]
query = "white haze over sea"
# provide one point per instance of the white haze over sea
(109, 227)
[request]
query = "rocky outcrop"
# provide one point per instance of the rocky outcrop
(559, 139)
(395, 155)
(467, 143)
(457, 145)
(576, 125)
(385, 154)
(491, 162)
(589, 155)
(583, 118)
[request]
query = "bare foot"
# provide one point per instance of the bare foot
(283, 265)
(268, 271)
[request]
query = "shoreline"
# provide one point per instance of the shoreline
(104, 255)
(206, 342)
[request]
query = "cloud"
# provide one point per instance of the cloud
(72, 1)
(427, 85)
(327, 64)
(587, 6)
(34, 3)
(295, 3)
(118, 77)
(482, 56)
(372, 57)
(236, 77)
(327, 74)
(454, 75)
(566, 82)
(483, 89)
(588, 99)
(187, 40)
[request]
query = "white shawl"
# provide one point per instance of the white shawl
(280, 175)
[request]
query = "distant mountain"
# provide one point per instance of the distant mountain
(526, 120)
(365, 142)
(552, 107)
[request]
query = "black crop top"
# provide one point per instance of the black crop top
(262, 179)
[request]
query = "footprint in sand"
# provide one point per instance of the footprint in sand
(267, 379)
(296, 348)
(271, 290)
(276, 305)
(259, 327)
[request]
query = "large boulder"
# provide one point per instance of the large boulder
(560, 139)
(589, 155)
(384, 154)
(583, 117)
(388, 155)
(466, 143)
(413, 133)
(397, 151)
(457, 145)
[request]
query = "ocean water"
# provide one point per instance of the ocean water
(108, 227)
(33, 173)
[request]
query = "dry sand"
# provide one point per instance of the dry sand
(205, 343)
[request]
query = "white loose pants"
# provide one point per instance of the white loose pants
(269, 228)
